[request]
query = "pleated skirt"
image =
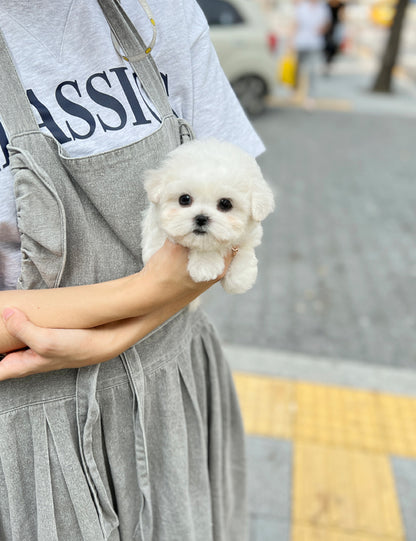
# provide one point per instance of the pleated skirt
(147, 446)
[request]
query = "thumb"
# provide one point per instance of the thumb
(18, 325)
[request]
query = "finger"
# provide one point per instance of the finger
(19, 364)
(19, 326)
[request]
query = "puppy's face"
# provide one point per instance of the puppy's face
(206, 193)
(202, 214)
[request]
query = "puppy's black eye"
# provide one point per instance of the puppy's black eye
(185, 200)
(224, 205)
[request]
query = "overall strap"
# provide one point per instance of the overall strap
(137, 53)
(16, 112)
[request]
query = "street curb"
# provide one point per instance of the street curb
(322, 370)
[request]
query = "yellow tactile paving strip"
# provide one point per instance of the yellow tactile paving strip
(330, 415)
(343, 487)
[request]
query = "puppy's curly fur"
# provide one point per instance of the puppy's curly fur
(209, 196)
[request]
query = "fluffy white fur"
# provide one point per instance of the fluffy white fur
(209, 196)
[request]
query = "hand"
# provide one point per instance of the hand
(170, 265)
(170, 277)
(54, 349)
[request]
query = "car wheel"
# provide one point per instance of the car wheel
(251, 92)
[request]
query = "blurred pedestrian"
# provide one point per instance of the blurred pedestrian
(311, 22)
(335, 33)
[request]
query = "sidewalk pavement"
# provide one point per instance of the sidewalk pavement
(331, 447)
(337, 273)
(331, 442)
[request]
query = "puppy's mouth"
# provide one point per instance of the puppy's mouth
(199, 232)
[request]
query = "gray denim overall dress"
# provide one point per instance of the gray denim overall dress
(147, 446)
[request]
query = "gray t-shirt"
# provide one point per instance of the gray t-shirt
(90, 99)
(311, 17)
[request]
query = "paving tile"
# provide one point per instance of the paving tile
(405, 476)
(344, 492)
(398, 419)
(329, 415)
(332, 458)
(338, 416)
(269, 465)
(307, 533)
(267, 405)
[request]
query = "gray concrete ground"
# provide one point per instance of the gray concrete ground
(405, 477)
(336, 294)
(269, 486)
(338, 261)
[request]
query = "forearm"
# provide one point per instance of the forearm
(55, 349)
(116, 337)
(163, 284)
(100, 306)
(81, 306)
(85, 307)
(77, 307)
(161, 281)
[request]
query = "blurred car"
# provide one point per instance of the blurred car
(245, 48)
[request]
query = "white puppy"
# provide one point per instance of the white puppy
(209, 196)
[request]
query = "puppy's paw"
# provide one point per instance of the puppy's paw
(205, 266)
(236, 284)
(242, 273)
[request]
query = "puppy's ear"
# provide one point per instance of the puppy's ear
(153, 184)
(262, 200)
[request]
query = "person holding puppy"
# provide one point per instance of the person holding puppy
(149, 444)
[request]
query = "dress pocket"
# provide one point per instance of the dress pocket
(41, 223)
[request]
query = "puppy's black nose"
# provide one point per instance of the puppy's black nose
(201, 220)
